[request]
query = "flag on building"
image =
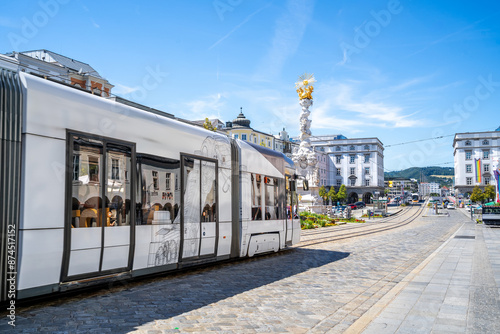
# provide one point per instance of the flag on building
(496, 173)
(478, 171)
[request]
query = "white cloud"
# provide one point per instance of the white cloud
(124, 90)
(290, 29)
(209, 106)
(344, 107)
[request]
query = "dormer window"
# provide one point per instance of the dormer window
(367, 147)
(352, 148)
(337, 148)
(468, 143)
(486, 142)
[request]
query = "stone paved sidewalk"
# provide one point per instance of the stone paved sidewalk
(457, 291)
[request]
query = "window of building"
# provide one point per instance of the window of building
(468, 168)
(338, 172)
(367, 147)
(268, 144)
(486, 154)
(235, 136)
(352, 148)
(337, 148)
(353, 170)
(468, 155)
(94, 169)
(367, 170)
(367, 182)
(155, 180)
(468, 143)
(76, 167)
(339, 183)
(486, 142)
(486, 180)
(167, 181)
(115, 169)
(338, 159)
(468, 181)
(486, 167)
(353, 182)
(351, 159)
(243, 137)
(367, 158)
(255, 140)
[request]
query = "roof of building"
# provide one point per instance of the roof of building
(63, 61)
(241, 120)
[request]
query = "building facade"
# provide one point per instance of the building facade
(357, 163)
(425, 188)
(240, 128)
(475, 155)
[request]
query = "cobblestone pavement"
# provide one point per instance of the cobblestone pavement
(321, 288)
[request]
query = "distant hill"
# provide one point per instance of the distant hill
(441, 175)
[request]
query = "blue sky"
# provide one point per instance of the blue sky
(401, 71)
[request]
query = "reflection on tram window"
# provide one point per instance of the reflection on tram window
(208, 191)
(256, 197)
(90, 206)
(118, 189)
(158, 203)
(86, 200)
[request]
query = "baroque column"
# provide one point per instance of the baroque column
(305, 158)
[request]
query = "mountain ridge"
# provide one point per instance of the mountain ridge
(425, 174)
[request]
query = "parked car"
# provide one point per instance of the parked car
(352, 206)
(360, 205)
(450, 206)
(338, 209)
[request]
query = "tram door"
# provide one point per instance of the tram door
(200, 211)
(98, 228)
(289, 209)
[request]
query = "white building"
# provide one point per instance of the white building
(426, 189)
(358, 163)
(473, 151)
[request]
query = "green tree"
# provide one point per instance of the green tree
(208, 125)
(342, 194)
(332, 195)
(477, 195)
(489, 193)
(323, 194)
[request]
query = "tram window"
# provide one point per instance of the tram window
(156, 194)
(86, 200)
(208, 191)
(256, 197)
(118, 191)
(271, 198)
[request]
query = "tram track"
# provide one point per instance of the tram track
(330, 238)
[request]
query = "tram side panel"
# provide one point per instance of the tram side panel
(41, 231)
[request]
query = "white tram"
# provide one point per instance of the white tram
(95, 190)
